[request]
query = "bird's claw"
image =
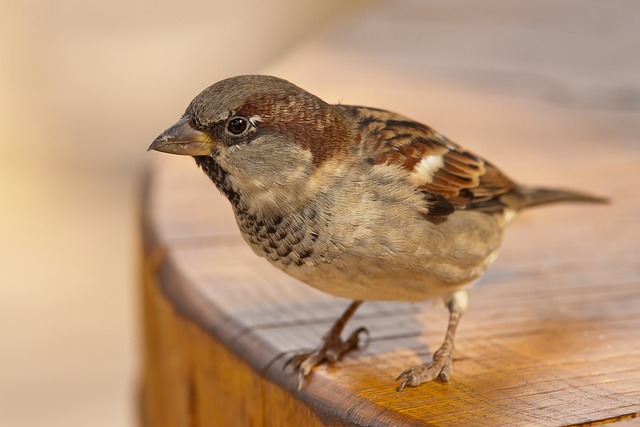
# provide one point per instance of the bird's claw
(331, 350)
(440, 368)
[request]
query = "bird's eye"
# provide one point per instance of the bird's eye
(237, 125)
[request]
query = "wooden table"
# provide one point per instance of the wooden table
(552, 336)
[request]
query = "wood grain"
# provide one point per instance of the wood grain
(552, 336)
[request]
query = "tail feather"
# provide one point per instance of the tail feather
(535, 196)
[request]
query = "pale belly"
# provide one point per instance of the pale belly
(370, 281)
(407, 262)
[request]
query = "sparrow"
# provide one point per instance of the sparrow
(359, 202)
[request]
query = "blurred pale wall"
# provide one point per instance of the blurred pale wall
(84, 88)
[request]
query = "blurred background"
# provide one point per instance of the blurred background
(86, 86)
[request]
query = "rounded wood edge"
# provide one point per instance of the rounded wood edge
(191, 379)
(196, 373)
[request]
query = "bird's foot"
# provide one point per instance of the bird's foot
(440, 368)
(331, 350)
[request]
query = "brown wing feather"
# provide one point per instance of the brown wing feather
(451, 177)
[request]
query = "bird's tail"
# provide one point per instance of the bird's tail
(535, 196)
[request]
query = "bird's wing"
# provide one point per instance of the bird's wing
(450, 177)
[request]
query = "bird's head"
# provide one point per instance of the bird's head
(262, 132)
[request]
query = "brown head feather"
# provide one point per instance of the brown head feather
(279, 107)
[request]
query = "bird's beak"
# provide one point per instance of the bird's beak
(182, 138)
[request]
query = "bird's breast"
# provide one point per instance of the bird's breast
(377, 249)
(284, 240)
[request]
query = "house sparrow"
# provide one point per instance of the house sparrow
(358, 202)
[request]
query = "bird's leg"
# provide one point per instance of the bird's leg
(440, 366)
(332, 347)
